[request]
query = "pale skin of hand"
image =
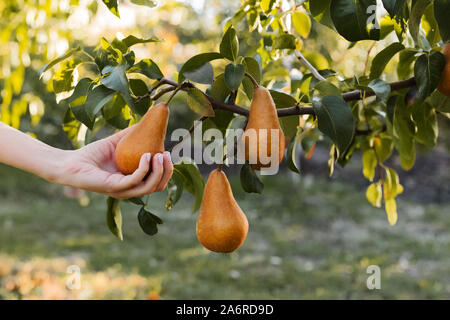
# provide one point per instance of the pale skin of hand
(90, 168)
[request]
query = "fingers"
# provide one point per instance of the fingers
(129, 181)
(148, 186)
(168, 170)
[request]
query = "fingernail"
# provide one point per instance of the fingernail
(160, 158)
(168, 156)
(148, 155)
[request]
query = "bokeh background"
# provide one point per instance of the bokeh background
(311, 236)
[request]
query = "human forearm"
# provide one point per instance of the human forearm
(90, 168)
(22, 151)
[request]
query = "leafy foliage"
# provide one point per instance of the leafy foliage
(263, 40)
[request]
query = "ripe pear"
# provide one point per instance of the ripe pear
(221, 225)
(444, 84)
(146, 136)
(263, 115)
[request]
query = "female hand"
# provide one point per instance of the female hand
(93, 168)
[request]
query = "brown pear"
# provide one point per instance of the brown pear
(444, 83)
(263, 115)
(221, 225)
(146, 136)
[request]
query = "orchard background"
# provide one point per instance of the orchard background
(361, 114)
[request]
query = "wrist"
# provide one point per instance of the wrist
(56, 169)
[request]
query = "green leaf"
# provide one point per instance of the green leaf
(425, 119)
(253, 68)
(114, 217)
(351, 19)
(234, 73)
(137, 200)
(381, 60)
(148, 68)
(79, 94)
(63, 77)
(139, 88)
(250, 181)
(283, 100)
(112, 5)
(301, 23)
(381, 88)
(247, 86)
(66, 55)
(291, 151)
(428, 70)
(196, 62)
(441, 10)
(114, 112)
(229, 46)
(317, 7)
(77, 109)
(326, 88)
(81, 115)
(391, 186)
(132, 40)
(96, 99)
(148, 222)
(267, 5)
(391, 211)
(402, 132)
(285, 41)
(335, 119)
(203, 75)
(439, 102)
(71, 127)
(406, 59)
(174, 190)
(417, 11)
(192, 180)
(369, 161)
(199, 103)
(219, 90)
(115, 78)
(148, 3)
(391, 189)
(374, 194)
(320, 10)
(383, 147)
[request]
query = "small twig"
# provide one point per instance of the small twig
(398, 85)
(308, 65)
(366, 64)
(160, 82)
(255, 83)
(188, 134)
(225, 156)
(163, 92)
(174, 93)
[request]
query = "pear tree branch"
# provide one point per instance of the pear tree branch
(285, 112)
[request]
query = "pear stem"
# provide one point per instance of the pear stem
(254, 82)
(173, 94)
(308, 65)
(219, 167)
(160, 82)
(162, 92)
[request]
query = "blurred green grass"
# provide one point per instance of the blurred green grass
(309, 238)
